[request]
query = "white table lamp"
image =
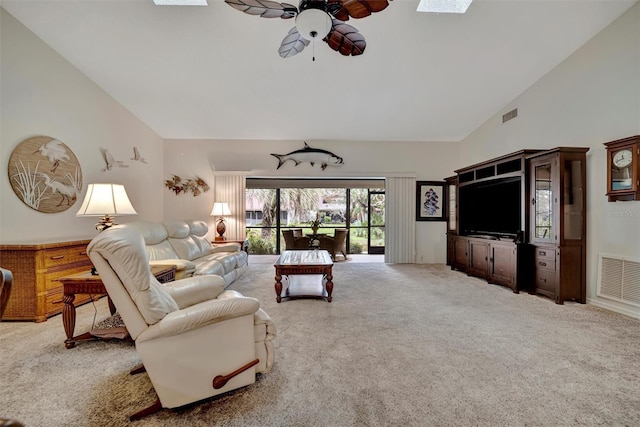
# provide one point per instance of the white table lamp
(106, 201)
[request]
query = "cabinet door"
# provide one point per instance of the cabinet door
(573, 202)
(450, 250)
(543, 227)
(452, 220)
(502, 265)
(479, 259)
(460, 253)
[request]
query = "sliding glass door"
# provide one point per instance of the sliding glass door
(272, 210)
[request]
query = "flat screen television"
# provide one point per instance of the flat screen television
(492, 208)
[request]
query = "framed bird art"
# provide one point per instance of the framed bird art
(45, 174)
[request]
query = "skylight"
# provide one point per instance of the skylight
(444, 6)
(180, 2)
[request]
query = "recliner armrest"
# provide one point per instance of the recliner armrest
(193, 290)
(199, 315)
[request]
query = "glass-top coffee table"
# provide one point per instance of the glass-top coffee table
(306, 274)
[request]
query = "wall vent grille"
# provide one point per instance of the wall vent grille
(510, 115)
(619, 279)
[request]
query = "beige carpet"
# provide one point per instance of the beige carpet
(400, 345)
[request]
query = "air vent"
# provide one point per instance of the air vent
(619, 279)
(510, 115)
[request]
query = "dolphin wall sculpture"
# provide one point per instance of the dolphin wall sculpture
(311, 155)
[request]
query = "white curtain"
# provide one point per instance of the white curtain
(400, 227)
(231, 189)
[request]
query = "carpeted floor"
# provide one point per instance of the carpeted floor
(410, 345)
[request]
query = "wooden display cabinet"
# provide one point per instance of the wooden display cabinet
(544, 249)
(495, 257)
(558, 222)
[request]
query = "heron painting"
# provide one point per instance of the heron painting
(45, 174)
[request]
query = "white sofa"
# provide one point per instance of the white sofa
(185, 245)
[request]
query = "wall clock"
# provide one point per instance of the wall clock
(45, 174)
(623, 169)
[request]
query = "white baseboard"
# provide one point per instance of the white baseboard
(616, 307)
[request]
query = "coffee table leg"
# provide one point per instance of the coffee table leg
(69, 319)
(278, 286)
(329, 286)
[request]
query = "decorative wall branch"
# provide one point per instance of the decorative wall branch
(196, 186)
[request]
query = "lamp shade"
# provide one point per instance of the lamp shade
(106, 199)
(313, 23)
(220, 209)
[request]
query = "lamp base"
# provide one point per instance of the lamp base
(105, 222)
(220, 239)
(220, 228)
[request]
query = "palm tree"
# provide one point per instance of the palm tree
(299, 201)
(266, 198)
(359, 205)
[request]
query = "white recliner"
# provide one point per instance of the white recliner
(195, 339)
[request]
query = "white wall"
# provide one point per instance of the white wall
(591, 98)
(206, 158)
(42, 94)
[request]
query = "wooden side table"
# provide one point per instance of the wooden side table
(86, 283)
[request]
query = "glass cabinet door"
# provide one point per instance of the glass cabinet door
(451, 207)
(542, 203)
(573, 200)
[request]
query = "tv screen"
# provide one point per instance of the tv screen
(492, 208)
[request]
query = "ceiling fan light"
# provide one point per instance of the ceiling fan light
(181, 2)
(313, 23)
(444, 6)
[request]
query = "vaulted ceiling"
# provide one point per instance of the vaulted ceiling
(215, 72)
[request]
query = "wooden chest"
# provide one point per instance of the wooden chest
(36, 293)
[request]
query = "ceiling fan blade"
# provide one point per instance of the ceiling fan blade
(345, 39)
(292, 44)
(343, 9)
(264, 8)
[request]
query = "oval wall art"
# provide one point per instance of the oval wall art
(45, 174)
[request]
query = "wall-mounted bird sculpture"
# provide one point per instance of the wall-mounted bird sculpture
(137, 156)
(111, 162)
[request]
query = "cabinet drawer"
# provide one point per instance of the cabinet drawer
(62, 256)
(545, 253)
(546, 280)
(547, 264)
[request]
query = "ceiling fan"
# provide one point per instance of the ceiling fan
(316, 19)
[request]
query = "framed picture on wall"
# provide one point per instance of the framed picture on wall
(430, 201)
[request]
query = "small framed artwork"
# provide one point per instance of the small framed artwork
(430, 201)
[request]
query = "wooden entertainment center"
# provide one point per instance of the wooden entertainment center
(519, 220)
